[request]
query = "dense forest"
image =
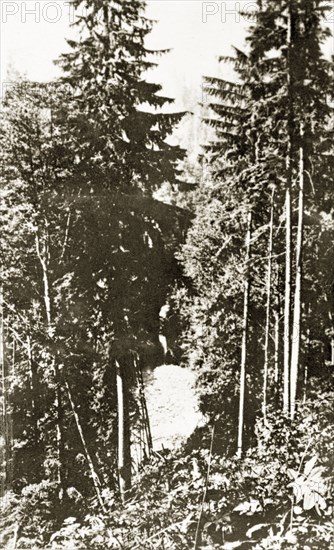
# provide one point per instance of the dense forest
(241, 254)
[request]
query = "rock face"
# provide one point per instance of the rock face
(172, 405)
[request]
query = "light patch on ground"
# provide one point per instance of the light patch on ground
(172, 405)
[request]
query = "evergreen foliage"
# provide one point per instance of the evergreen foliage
(248, 168)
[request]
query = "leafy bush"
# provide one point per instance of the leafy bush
(278, 496)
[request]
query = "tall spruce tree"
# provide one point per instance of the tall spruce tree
(124, 153)
(123, 137)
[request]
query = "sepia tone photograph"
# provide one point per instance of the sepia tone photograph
(166, 275)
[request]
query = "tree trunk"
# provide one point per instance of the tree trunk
(287, 299)
(95, 477)
(10, 468)
(34, 387)
(267, 330)
(331, 321)
(278, 315)
(124, 446)
(2, 356)
(43, 257)
(296, 331)
(287, 293)
(244, 337)
(145, 415)
(307, 358)
(276, 355)
(198, 533)
(3, 424)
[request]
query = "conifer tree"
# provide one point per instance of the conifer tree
(123, 132)
(123, 153)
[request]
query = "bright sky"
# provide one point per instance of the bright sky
(33, 34)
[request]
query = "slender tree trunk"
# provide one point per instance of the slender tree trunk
(10, 470)
(276, 354)
(43, 257)
(34, 387)
(296, 331)
(244, 337)
(307, 359)
(198, 534)
(287, 300)
(331, 320)
(145, 415)
(94, 475)
(278, 315)
(59, 432)
(2, 355)
(288, 233)
(124, 447)
(267, 330)
(3, 424)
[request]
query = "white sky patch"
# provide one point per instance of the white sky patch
(33, 35)
(34, 32)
